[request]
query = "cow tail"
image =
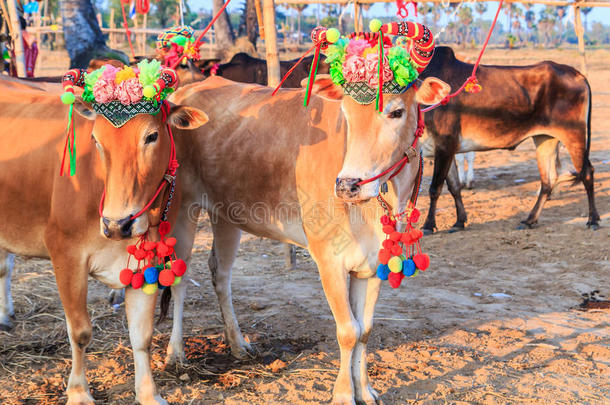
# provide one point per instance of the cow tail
(166, 297)
(586, 164)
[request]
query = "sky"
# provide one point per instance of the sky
(598, 14)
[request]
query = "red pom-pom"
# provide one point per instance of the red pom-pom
(396, 250)
(162, 249)
(395, 279)
(415, 234)
(385, 220)
(164, 228)
(179, 267)
(388, 229)
(388, 244)
(137, 280)
(149, 245)
(131, 249)
(166, 278)
(125, 276)
(171, 242)
(406, 238)
(414, 215)
(422, 261)
(384, 256)
(139, 254)
(395, 236)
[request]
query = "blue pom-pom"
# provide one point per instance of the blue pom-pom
(408, 267)
(383, 271)
(151, 275)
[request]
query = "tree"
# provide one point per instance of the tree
(249, 23)
(465, 19)
(222, 27)
(586, 11)
(299, 8)
(82, 34)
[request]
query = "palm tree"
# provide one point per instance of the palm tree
(299, 8)
(465, 19)
(222, 27)
(480, 8)
(586, 11)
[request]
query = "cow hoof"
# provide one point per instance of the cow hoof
(80, 398)
(428, 231)
(370, 397)
(594, 226)
(243, 351)
(526, 225)
(456, 228)
(175, 360)
(156, 400)
(343, 399)
(6, 324)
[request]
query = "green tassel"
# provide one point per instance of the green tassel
(72, 145)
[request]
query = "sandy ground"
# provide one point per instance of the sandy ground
(496, 320)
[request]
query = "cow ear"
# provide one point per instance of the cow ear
(186, 117)
(324, 87)
(432, 91)
(84, 109)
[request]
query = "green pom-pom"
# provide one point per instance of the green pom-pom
(149, 91)
(177, 280)
(68, 98)
(149, 72)
(179, 40)
(332, 35)
(375, 25)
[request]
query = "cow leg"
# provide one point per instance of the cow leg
(443, 160)
(7, 262)
(454, 186)
(71, 277)
(222, 256)
(459, 161)
(363, 297)
(587, 181)
(470, 172)
(140, 309)
(546, 155)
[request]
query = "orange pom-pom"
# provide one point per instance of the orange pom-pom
(166, 278)
(388, 244)
(179, 267)
(395, 279)
(395, 236)
(137, 280)
(384, 256)
(422, 261)
(171, 242)
(125, 276)
(396, 250)
(388, 229)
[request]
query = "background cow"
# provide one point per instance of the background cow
(548, 102)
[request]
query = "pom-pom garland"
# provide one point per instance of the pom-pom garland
(401, 255)
(157, 265)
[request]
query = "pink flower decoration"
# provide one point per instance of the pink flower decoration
(103, 90)
(371, 64)
(354, 70)
(355, 48)
(109, 72)
(129, 91)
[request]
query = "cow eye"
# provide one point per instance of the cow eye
(151, 138)
(396, 113)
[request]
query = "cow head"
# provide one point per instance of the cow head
(135, 158)
(381, 112)
(133, 137)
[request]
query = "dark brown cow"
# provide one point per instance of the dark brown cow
(548, 102)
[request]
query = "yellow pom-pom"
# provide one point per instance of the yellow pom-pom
(125, 74)
(150, 289)
(395, 264)
(375, 25)
(177, 280)
(415, 273)
(332, 35)
(149, 91)
(68, 98)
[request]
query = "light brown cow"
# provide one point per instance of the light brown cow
(45, 215)
(268, 166)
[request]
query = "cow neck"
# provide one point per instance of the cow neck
(169, 177)
(401, 253)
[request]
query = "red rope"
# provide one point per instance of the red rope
(292, 69)
(205, 30)
(127, 32)
(473, 76)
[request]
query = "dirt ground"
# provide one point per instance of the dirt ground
(496, 319)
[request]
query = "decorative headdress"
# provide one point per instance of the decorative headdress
(367, 65)
(117, 94)
(176, 44)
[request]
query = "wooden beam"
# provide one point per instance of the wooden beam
(560, 3)
(357, 11)
(17, 37)
(580, 33)
(273, 59)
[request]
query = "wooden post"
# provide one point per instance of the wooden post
(143, 43)
(273, 59)
(259, 19)
(580, 33)
(17, 37)
(357, 11)
(112, 25)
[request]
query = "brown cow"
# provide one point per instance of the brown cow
(45, 215)
(548, 102)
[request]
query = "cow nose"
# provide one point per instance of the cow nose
(347, 188)
(126, 225)
(106, 229)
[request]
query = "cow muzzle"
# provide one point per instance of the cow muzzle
(348, 188)
(119, 229)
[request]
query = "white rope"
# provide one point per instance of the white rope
(449, 18)
(181, 13)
